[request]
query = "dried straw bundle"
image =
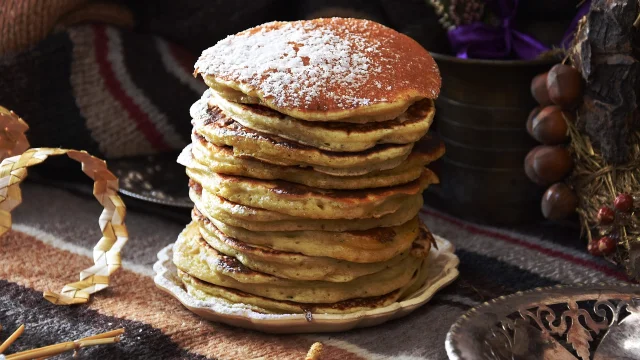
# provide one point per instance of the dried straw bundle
(597, 183)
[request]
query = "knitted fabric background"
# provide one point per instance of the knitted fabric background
(115, 78)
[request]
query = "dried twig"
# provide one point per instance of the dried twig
(16, 334)
(109, 337)
(60, 348)
(112, 333)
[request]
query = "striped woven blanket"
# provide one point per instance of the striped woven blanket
(55, 231)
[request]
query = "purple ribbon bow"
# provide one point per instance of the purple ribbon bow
(480, 40)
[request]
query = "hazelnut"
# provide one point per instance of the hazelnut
(539, 89)
(564, 86)
(550, 127)
(545, 164)
(558, 202)
(532, 116)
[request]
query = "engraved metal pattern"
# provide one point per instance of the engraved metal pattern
(563, 322)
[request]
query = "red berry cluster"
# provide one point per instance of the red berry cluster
(609, 218)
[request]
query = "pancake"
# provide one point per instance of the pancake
(221, 130)
(205, 291)
(290, 265)
(194, 256)
(322, 70)
(408, 127)
(304, 201)
(256, 219)
(205, 156)
(365, 246)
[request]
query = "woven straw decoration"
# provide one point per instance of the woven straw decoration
(106, 254)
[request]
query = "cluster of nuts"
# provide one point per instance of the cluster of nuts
(558, 92)
(610, 220)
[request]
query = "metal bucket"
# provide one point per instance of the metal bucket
(481, 115)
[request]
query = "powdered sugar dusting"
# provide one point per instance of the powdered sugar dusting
(298, 61)
(318, 65)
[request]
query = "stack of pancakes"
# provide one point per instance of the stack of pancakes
(307, 168)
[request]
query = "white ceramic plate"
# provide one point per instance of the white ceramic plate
(442, 267)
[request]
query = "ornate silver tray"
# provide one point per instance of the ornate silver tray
(564, 322)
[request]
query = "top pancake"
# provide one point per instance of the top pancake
(409, 127)
(333, 69)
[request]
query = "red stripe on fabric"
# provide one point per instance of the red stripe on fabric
(550, 252)
(182, 57)
(142, 119)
